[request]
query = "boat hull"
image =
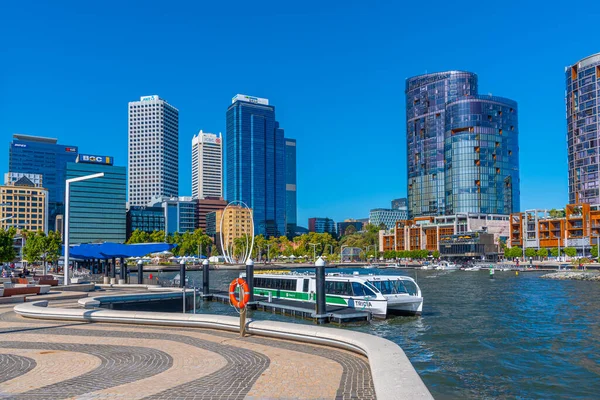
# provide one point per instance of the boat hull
(404, 305)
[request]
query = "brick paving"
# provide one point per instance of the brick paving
(119, 361)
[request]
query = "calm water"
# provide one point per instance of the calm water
(510, 337)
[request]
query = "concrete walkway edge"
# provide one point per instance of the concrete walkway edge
(394, 377)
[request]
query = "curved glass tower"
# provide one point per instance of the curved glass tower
(481, 155)
(583, 147)
(426, 99)
(462, 148)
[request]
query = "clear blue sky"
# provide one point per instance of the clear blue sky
(334, 70)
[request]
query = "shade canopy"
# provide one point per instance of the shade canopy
(110, 250)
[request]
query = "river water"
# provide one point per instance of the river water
(480, 338)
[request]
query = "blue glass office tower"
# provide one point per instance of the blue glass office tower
(255, 162)
(97, 206)
(462, 148)
(290, 187)
(40, 155)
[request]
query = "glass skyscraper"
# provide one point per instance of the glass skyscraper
(583, 141)
(290, 186)
(255, 162)
(97, 209)
(462, 148)
(40, 155)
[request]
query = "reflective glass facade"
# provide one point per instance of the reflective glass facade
(97, 209)
(290, 186)
(462, 148)
(583, 89)
(39, 155)
(426, 99)
(481, 156)
(146, 219)
(255, 164)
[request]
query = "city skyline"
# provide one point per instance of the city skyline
(371, 126)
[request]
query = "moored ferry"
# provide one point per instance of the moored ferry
(402, 293)
(353, 291)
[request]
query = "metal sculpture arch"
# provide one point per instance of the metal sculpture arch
(229, 248)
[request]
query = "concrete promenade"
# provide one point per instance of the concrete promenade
(59, 359)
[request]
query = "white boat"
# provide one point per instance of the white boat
(445, 265)
(402, 293)
(353, 291)
(473, 268)
(369, 266)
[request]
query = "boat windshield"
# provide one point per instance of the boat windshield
(396, 287)
(370, 286)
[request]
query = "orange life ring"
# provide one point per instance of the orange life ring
(245, 289)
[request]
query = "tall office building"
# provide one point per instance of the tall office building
(97, 211)
(256, 162)
(399, 204)
(24, 202)
(322, 225)
(462, 148)
(583, 141)
(153, 150)
(207, 166)
(43, 156)
(290, 187)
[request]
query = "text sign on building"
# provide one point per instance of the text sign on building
(89, 159)
(250, 99)
(20, 145)
(149, 98)
(208, 138)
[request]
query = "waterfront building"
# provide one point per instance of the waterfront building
(400, 204)
(153, 149)
(425, 233)
(322, 225)
(206, 206)
(462, 148)
(207, 166)
(43, 156)
(255, 167)
(583, 143)
(24, 202)
(536, 228)
(386, 216)
(231, 223)
(180, 213)
(290, 187)
(342, 226)
(146, 219)
(97, 206)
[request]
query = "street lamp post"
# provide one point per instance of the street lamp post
(314, 245)
(342, 252)
(67, 209)
(268, 253)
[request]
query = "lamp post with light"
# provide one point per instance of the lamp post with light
(67, 209)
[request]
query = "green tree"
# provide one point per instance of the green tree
(529, 252)
(156, 237)
(7, 251)
(138, 236)
(543, 252)
(516, 252)
(350, 229)
(594, 251)
(436, 254)
(554, 213)
(33, 248)
(554, 252)
(570, 251)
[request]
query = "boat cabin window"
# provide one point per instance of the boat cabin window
(362, 290)
(274, 283)
(339, 288)
(410, 288)
(305, 286)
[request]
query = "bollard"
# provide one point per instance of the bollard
(250, 278)
(491, 273)
(320, 281)
(140, 272)
(182, 275)
(205, 282)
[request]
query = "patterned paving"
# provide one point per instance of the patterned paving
(61, 359)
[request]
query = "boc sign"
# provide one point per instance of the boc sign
(86, 158)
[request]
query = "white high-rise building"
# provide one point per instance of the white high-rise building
(153, 150)
(207, 165)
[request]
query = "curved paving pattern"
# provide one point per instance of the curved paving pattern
(12, 366)
(252, 367)
(119, 365)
